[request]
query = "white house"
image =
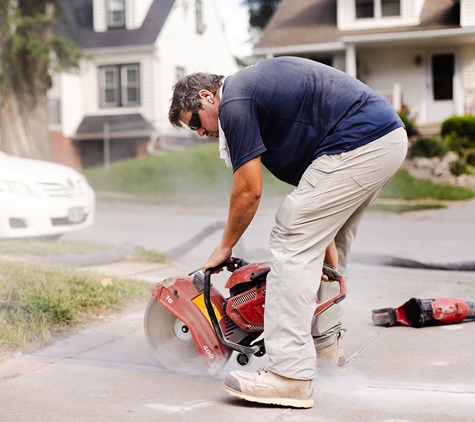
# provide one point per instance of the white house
(115, 105)
(420, 54)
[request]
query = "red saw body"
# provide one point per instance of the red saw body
(419, 313)
(189, 322)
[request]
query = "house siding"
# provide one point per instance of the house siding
(467, 13)
(468, 77)
(468, 64)
(193, 52)
(138, 11)
(72, 105)
(381, 69)
(130, 14)
(99, 12)
(91, 89)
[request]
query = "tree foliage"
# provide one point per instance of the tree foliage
(30, 49)
(260, 12)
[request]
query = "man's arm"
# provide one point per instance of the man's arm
(331, 258)
(244, 201)
(331, 255)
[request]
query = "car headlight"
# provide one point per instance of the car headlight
(16, 188)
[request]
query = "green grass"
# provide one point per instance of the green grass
(401, 208)
(146, 255)
(37, 301)
(194, 176)
(27, 248)
(198, 176)
(404, 186)
(42, 248)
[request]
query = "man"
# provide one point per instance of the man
(339, 143)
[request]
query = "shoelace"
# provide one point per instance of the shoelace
(262, 370)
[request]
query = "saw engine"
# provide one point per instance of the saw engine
(245, 306)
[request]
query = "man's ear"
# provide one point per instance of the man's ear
(204, 93)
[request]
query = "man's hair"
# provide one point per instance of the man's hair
(185, 94)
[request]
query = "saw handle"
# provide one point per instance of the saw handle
(248, 350)
(333, 275)
(331, 272)
(230, 266)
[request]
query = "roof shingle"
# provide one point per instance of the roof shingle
(315, 21)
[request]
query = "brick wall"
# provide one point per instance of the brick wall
(141, 148)
(64, 151)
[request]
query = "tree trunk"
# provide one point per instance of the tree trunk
(23, 102)
(24, 125)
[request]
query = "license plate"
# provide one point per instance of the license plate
(76, 215)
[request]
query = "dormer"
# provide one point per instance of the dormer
(375, 14)
(112, 14)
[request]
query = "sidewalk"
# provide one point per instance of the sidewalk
(107, 372)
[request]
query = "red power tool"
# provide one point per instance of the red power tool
(188, 321)
(426, 312)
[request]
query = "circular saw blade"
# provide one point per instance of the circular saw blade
(170, 340)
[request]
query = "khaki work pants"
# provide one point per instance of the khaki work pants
(328, 203)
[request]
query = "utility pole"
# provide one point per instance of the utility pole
(106, 133)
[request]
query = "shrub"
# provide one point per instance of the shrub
(458, 167)
(459, 133)
(409, 122)
(455, 143)
(428, 147)
(462, 127)
(471, 159)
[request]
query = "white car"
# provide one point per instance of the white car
(40, 199)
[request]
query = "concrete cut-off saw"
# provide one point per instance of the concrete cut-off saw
(191, 327)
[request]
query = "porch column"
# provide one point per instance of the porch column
(350, 60)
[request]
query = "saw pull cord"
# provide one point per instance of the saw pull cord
(214, 320)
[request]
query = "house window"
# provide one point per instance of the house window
(200, 27)
(54, 111)
(365, 9)
(116, 13)
(443, 69)
(109, 86)
(119, 85)
(390, 8)
(130, 84)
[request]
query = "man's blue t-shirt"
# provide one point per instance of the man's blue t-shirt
(291, 110)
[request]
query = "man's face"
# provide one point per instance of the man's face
(204, 119)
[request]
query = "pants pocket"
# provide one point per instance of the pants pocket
(379, 160)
